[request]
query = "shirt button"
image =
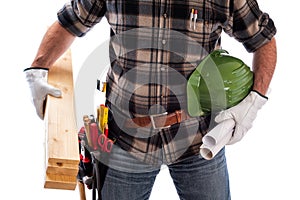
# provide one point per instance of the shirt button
(163, 41)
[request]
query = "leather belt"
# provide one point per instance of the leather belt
(158, 121)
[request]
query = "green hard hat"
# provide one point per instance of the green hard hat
(219, 82)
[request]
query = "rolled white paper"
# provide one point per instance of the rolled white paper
(216, 139)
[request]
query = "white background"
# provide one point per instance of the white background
(265, 165)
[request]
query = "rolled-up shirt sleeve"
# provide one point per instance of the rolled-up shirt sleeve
(249, 25)
(79, 16)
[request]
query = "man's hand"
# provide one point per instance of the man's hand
(37, 79)
(243, 114)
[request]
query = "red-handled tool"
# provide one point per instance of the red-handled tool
(105, 143)
(94, 135)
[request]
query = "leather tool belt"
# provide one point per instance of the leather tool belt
(158, 121)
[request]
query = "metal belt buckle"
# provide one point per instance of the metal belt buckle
(152, 117)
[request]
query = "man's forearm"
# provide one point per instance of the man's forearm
(264, 63)
(54, 43)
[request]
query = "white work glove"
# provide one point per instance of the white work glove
(37, 79)
(243, 114)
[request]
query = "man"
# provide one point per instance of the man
(154, 47)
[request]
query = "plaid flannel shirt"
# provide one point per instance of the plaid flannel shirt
(155, 46)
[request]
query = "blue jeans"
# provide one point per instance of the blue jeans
(195, 179)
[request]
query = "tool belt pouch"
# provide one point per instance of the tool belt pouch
(93, 145)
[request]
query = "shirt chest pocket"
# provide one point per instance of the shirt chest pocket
(198, 16)
(199, 25)
(202, 20)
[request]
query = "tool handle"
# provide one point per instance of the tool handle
(94, 135)
(81, 188)
(87, 121)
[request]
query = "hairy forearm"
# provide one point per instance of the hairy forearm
(54, 43)
(264, 63)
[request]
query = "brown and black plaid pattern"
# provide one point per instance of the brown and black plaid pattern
(153, 50)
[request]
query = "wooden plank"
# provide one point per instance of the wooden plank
(64, 182)
(62, 150)
(62, 168)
